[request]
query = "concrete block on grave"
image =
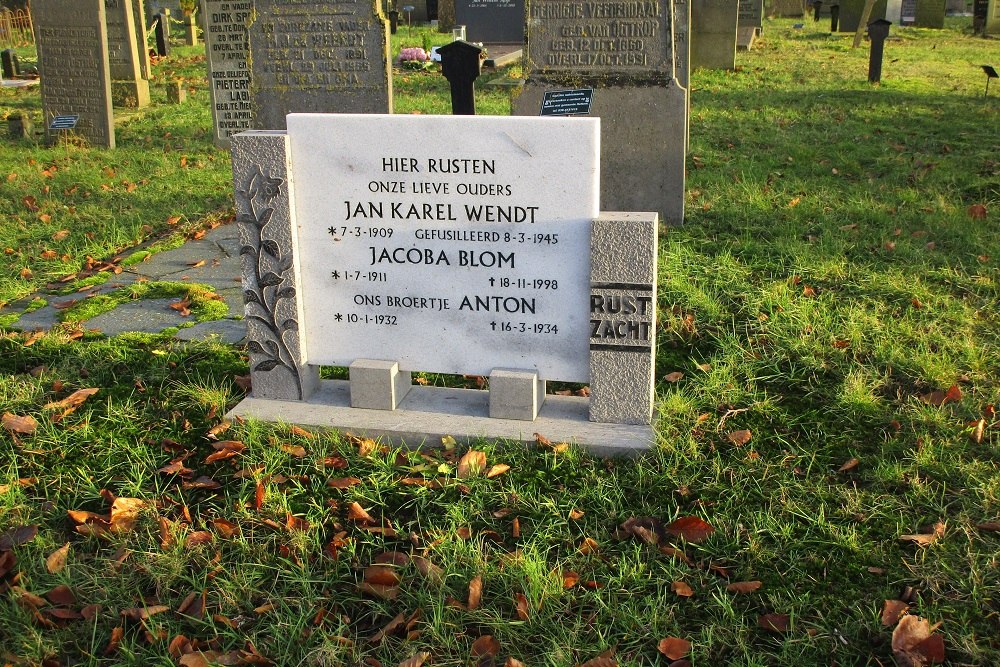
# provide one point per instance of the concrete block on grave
(264, 196)
(19, 126)
(623, 317)
(713, 34)
(745, 38)
(377, 384)
(72, 44)
(516, 394)
(190, 30)
(176, 92)
(130, 94)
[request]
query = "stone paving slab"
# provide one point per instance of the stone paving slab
(219, 249)
(143, 316)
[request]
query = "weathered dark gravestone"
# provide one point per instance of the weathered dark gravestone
(318, 57)
(128, 87)
(19, 126)
(980, 9)
(365, 249)
(750, 14)
(9, 63)
(851, 10)
(834, 17)
(930, 14)
(228, 72)
(713, 34)
(491, 21)
(161, 33)
(72, 43)
(139, 20)
(787, 8)
(623, 49)
(446, 15)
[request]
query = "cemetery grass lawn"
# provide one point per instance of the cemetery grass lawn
(827, 371)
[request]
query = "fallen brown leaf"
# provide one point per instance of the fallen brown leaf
(61, 595)
(382, 575)
(674, 648)
(416, 660)
(739, 438)
(892, 610)
(15, 537)
(589, 546)
(475, 593)
(691, 528)
(471, 464)
(681, 589)
(56, 560)
(851, 464)
(777, 623)
(74, 400)
(342, 482)
(485, 645)
(521, 606)
(356, 512)
(143, 613)
(497, 470)
(676, 376)
(914, 643)
(24, 425)
(743, 586)
(297, 451)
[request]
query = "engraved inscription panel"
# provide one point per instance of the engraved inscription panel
(122, 48)
(73, 64)
(318, 57)
(228, 75)
(599, 36)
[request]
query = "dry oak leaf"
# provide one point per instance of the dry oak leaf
(576, 515)
(743, 586)
(116, 638)
(939, 398)
(225, 528)
(521, 606)
(471, 464)
(978, 431)
(198, 537)
(17, 536)
(485, 645)
(342, 482)
(693, 529)
(739, 438)
(382, 575)
(297, 451)
(647, 529)
(925, 539)
(977, 212)
(914, 643)
(676, 376)
(497, 470)
(601, 661)
(143, 613)
(892, 610)
(681, 589)
(56, 560)
(475, 593)
(25, 425)
(416, 660)
(74, 400)
(61, 595)
(773, 622)
(383, 592)
(570, 579)
(589, 546)
(851, 464)
(674, 648)
(124, 514)
(355, 512)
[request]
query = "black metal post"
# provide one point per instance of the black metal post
(877, 32)
(393, 21)
(834, 17)
(461, 64)
(816, 7)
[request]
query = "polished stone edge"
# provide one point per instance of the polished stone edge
(427, 414)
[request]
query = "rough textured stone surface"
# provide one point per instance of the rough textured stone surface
(992, 18)
(713, 34)
(623, 318)
(515, 394)
(176, 92)
(321, 57)
(72, 43)
(750, 15)
(682, 59)
(264, 192)
(45, 317)
(377, 384)
(226, 331)
(642, 144)
(139, 21)
(446, 15)
(146, 316)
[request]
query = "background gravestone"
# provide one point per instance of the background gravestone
(787, 8)
(713, 34)
(139, 20)
(643, 109)
(128, 87)
(71, 39)
(491, 21)
(850, 13)
(682, 58)
(228, 72)
(319, 57)
(446, 15)
(930, 14)
(750, 14)
(992, 18)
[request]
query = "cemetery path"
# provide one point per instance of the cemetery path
(212, 260)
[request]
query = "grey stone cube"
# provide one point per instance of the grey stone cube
(515, 394)
(377, 384)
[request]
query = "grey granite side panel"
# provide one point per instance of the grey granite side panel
(262, 180)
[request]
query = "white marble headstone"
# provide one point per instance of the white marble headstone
(451, 244)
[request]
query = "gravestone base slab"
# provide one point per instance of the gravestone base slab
(130, 94)
(515, 394)
(641, 126)
(745, 38)
(427, 414)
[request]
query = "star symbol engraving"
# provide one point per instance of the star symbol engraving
(332, 230)
(335, 274)
(338, 317)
